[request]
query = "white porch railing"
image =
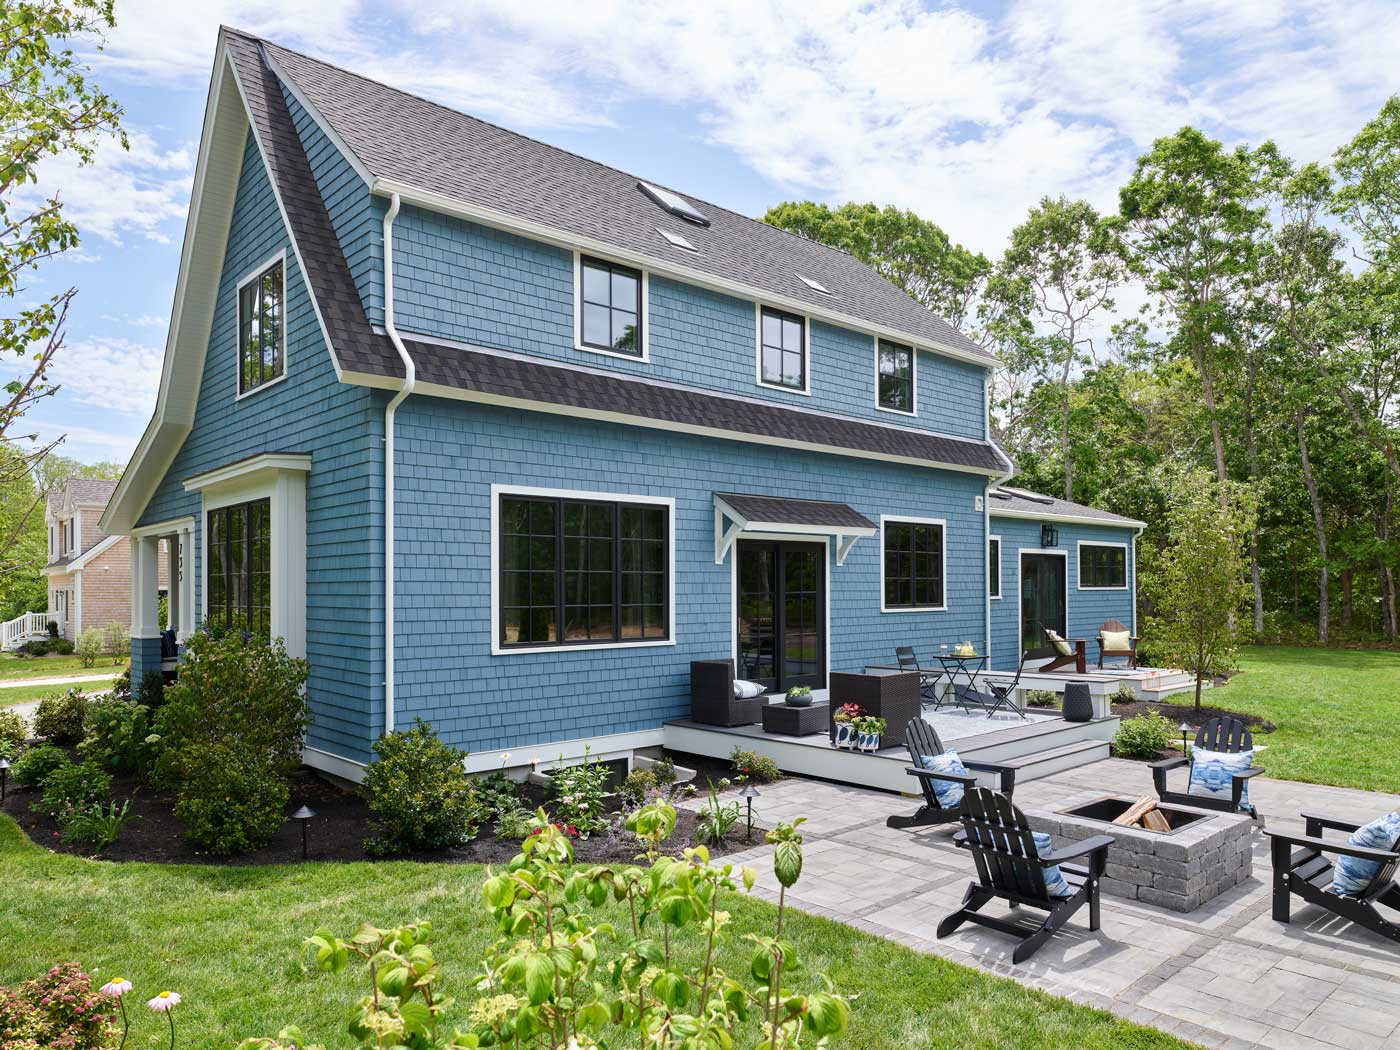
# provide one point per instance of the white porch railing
(26, 627)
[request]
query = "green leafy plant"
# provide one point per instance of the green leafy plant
(1042, 698)
(96, 825)
(1143, 736)
(60, 718)
(61, 646)
(496, 793)
(653, 824)
(231, 802)
(90, 646)
(1124, 694)
(149, 691)
(116, 641)
(869, 724)
(13, 734)
(120, 735)
(419, 794)
(579, 793)
(70, 787)
(637, 785)
(515, 824)
(37, 763)
(749, 765)
(60, 1009)
(716, 819)
(663, 771)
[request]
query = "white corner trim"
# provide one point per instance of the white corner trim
(243, 469)
(758, 308)
(910, 519)
(993, 536)
(99, 548)
(875, 342)
(668, 502)
(277, 258)
(645, 315)
(1079, 564)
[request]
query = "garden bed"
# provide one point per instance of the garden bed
(1192, 716)
(336, 833)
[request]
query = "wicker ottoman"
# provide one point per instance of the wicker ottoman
(795, 721)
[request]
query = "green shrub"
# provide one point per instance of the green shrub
(419, 794)
(497, 794)
(38, 647)
(71, 787)
(149, 691)
(1124, 694)
(96, 825)
(241, 694)
(1042, 698)
(749, 765)
(231, 802)
(61, 646)
(578, 792)
(637, 785)
(59, 718)
(35, 765)
(90, 645)
(116, 641)
(119, 735)
(13, 734)
(60, 1009)
(1143, 736)
(716, 819)
(515, 824)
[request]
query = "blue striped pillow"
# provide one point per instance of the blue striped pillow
(1055, 883)
(1353, 875)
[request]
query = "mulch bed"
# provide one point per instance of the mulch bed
(1192, 716)
(336, 833)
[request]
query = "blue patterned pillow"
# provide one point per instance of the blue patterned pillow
(1353, 875)
(1055, 882)
(948, 792)
(1212, 773)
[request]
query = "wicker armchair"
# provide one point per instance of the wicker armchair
(712, 700)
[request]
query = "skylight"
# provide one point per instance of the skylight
(816, 286)
(677, 206)
(677, 241)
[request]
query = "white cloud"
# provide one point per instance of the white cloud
(112, 374)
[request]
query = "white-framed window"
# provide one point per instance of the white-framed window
(782, 358)
(580, 570)
(610, 308)
(895, 378)
(262, 330)
(1103, 566)
(994, 566)
(913, 564)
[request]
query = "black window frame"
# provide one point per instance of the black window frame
(993, 566)
(253, 617)
(1098, 566)
(587, 262)
(620, 601)
(892, 582)
(251, 294)
(783, 349)
(907, 384)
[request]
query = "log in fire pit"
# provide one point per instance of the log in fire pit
(1169, 856)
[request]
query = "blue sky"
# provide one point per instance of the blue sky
(965, 113)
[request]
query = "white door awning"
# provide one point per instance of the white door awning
(737, 513)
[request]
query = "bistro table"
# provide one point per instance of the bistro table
(966, 664)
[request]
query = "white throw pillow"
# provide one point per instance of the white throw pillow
(1059, 643)
(1117, 641)
(746, 690)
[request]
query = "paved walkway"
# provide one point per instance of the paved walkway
(1223, 976)
(70, 680)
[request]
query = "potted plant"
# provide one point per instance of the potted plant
(845, 718)
(799, 696)
(868, 731)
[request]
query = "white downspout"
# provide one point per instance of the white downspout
(410, 377)
(1132, 593)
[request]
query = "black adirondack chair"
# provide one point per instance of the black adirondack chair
(928, 678)
(1228, 735)
(1008, 867)
(1301, 868)
(994, 697)
(922, 739)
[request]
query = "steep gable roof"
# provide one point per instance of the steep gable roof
(398, 139)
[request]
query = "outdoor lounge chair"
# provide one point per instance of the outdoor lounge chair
(922, 739)
(1009, 867)
(1301, 868)
(1129, 653)
(1228, 735)
(1069, 652)
(712, 699)
(928, 679)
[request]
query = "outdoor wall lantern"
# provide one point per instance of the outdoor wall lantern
(1049, 536)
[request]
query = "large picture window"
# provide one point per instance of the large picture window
(582, 572)
(895, 377)
(611, 307)
(261, 343)
(782, 350)
(913, 570)
(1103, 566)
(239, 567)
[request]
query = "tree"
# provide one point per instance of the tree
(912, 252)
(1192, 216)
(1058, 274)
(1198, 581)
(48, 106)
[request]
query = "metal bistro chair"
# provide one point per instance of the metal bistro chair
(996, 697)
(928, 679)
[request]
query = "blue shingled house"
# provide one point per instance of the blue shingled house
(504, 438)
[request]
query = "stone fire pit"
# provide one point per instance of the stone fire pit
(1204, 854)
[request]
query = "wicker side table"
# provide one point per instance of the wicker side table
(796, 721)
(893, 697)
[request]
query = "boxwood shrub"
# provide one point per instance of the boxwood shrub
(419, 793)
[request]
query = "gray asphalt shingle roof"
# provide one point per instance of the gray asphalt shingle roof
(83, 490)
(781, 510)
(399, 136)
(1025, 501)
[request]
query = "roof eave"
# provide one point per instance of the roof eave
(1076, 519)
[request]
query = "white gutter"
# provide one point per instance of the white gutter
(410, 377)
(992, 482)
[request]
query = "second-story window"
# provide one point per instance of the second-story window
(782, 350)
(261, 343)
(611, 307)
(894, 376)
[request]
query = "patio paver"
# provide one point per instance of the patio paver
(1224, 976)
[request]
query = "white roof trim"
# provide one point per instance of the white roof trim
(1077, 519)
(243, 468)
(80, 562)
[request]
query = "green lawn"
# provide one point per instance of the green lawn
(14, 668)
(227, 940)
(1337, 711)
(20, 693)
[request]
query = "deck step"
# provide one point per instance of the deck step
(1020, 741)
(1057, 760)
